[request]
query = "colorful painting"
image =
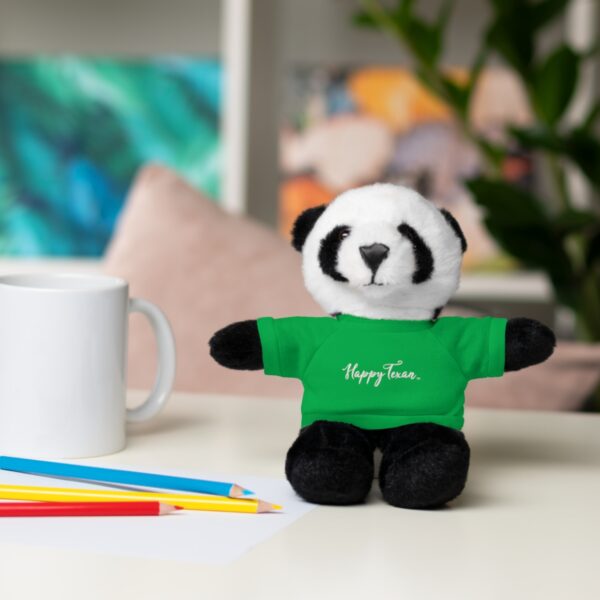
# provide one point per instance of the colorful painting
(350, 127)
(74, 131)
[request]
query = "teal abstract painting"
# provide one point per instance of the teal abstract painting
(74, 131)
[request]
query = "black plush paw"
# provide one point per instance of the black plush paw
(237, 346)
(528, 343)
(423, 466)
(331, 463)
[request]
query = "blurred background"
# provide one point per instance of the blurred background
(174, 144)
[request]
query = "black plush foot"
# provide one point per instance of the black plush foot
(331, 463)
(423, 466)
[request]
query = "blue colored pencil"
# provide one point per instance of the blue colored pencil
(133, 478)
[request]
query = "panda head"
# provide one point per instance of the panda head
(381, 251)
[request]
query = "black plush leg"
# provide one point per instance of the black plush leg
(423, 465)
(331, 463)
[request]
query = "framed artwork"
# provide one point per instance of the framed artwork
(346, 127)
(74, 130)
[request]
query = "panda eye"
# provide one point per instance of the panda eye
(343, 233)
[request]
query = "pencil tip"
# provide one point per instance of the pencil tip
(263, 507)
(237, 491)
(165, 509)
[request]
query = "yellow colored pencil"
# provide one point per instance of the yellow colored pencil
(187, 501)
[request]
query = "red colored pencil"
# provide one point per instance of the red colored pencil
(84, 509)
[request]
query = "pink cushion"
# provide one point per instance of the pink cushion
(563, 382)
(205, 269)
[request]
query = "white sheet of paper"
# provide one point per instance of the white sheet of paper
(192, 536)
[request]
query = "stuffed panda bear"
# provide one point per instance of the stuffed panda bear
(382, 370)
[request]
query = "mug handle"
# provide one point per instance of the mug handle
(166, 361)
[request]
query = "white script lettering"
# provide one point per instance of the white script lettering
(389, 371)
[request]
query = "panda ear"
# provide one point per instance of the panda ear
(303, 225)
(456, 227)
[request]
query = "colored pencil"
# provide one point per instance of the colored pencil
(134, 478)
(188, 501)
(85, 509)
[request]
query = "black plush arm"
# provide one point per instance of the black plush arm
(528, 342)
(237, 346)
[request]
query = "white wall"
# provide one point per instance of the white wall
(109, 26)
(321, 30)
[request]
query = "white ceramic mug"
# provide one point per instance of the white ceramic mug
(63, 357)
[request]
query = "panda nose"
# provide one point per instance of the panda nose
(374, 255)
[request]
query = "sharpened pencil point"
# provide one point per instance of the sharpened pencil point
(236, 491)
(263, 507)
(165, 509)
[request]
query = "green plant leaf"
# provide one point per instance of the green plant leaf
(593, 250)
(424, 40)
(445, 14)
(583, 148)
(538, 137)
(538, 14)
(592, 116)
(506, 203)
(517, 222)
(495, 153)
(514, 26)
(404, 10)
(554, 82)
(533, 245)
(535, 248)
(457, 95)
(364, 19)
(502, 6)
(543, 13)
(425, 78)
(580, 146)
(571, 221)
(510, 35)
(475, 71)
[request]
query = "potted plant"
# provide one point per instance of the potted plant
(549, 232)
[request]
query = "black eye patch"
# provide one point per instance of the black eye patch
(328, 253)
(422, 253)
(455, 227)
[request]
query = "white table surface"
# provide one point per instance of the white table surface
(528, 525)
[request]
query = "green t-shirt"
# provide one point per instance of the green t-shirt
(377, 373)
